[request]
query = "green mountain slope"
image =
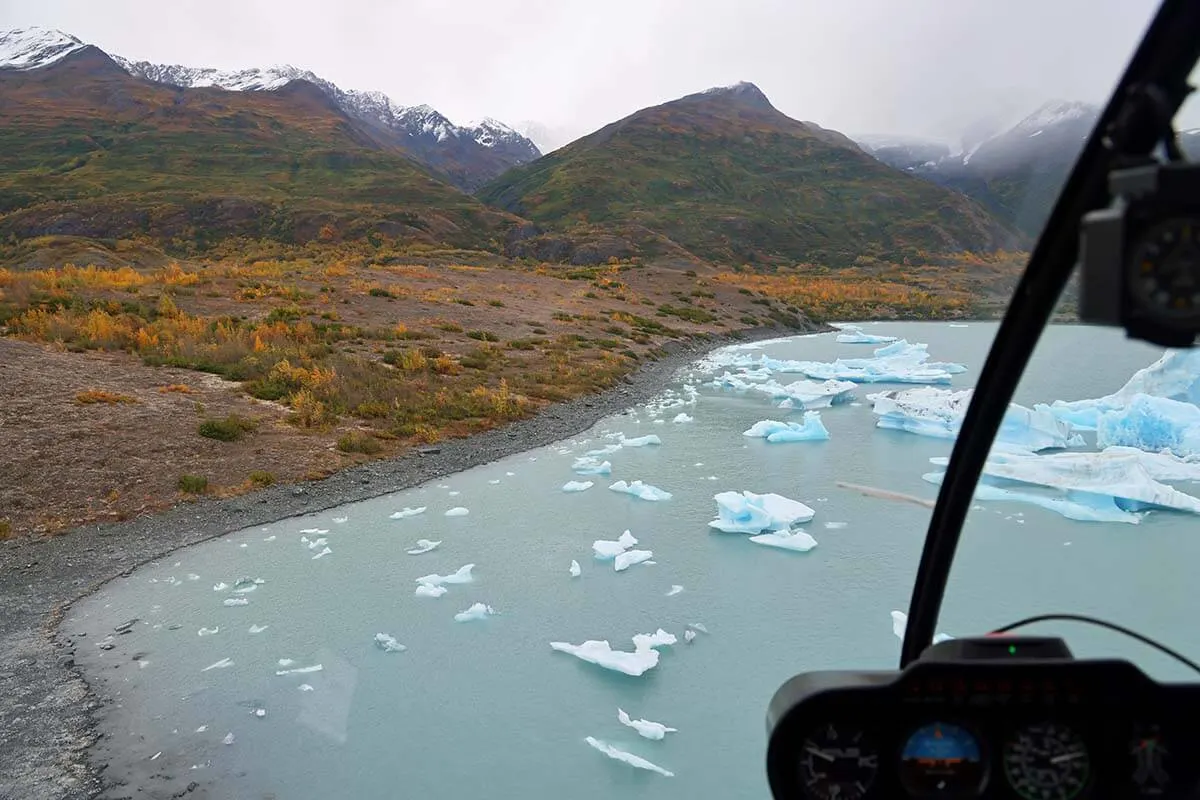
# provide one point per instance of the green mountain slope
(88, 150)
(726, 177)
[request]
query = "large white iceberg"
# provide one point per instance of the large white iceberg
(1175, 376)
(1122, 476)
(477, 611)
(645, 728)
(607, 549)
(747, 512)
(1152, 423)
(899, 362)
(628, 558)
(798, 540)
(461, 575)
(801, 394)
(641, 490)
(577, 486)
(939, 413)
(628, 758)
(599, 652)
(590, 465)
(811, 430)
(853, 334)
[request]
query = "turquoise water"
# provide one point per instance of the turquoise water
(487, 708)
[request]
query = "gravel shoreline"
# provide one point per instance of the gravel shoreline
(48, 720)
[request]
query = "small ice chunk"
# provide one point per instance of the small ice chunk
(193, 576)
(811, 430)
(300, 670)
(427, 590)
(304, 687)
(319, 542)
(645, 728)
(324, 552)
(220, 587)
(799, 541)
(246, 585)
(641, 441)
(900, 624)
(747, 512)
(854, 335)
(229, 738)
(608, 449)
(577, 486)
(423, 546)
(202, 729)
(683, 418)
(641, 490)
(260, 712)
(575, 569)
(462, 575)
(458, 511)
(689, 635)
(833, 526)
(605, 549)
(494, 481)
(237, 601)
(477, 611)
(659, 638)
(407, 512)
(453, 494)
(285, 662)
(316, 531)
(388, 644)
(222, 664)
(208, 631)
(674, 590)
(340, 520)
(590, 465)
(698, 626)
(510, 474)
(257, 628)
(627, 559)
(628, 758)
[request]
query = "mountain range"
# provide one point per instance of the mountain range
(466, 156)
(102, 146)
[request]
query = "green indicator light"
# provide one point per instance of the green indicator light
(1012, 649)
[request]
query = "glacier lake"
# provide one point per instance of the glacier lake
(224, 693)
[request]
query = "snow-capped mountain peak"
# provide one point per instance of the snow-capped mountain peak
(255, 79)
(30, 48)
(1054, 113)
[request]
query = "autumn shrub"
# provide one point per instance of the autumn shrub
(229, 429)
(261, 478)
(91, 396)
(193, 484)
(359, 442)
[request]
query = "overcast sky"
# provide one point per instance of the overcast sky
(917, 67)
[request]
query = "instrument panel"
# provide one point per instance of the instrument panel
(1037, 730)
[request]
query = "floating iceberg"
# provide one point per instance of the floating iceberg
(799, 541)
(808, 395)
(324, 552)
(590, 465)
(575, 569)
(811, 430)
(641, 441)
(1152, 423)
(247, 585)
(462, 575)
(854, 335)
(220, 587)
(300, 670)
(939, 413)
(430, 590)
(458, 511)
(1104, 486)
(645, 728)
(603, 451)
(747, 512)
(642, 490)
(606, 549)
(833, 526)
(674, 590)
(476, 612)
(577, 486)
(388, 643)
(643, 658)
(257, 628)
(900, 624)
(628, 758)
(423, 546)
(236, 601)
(208, 631)
(1175, 376)
(684, 418)
(222, 664)
(689, 635)
(627, 559)
(899, 362)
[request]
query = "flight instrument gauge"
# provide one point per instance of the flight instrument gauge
(1165, 269)
(837, 763)
(1047, 761)
(942, 760)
